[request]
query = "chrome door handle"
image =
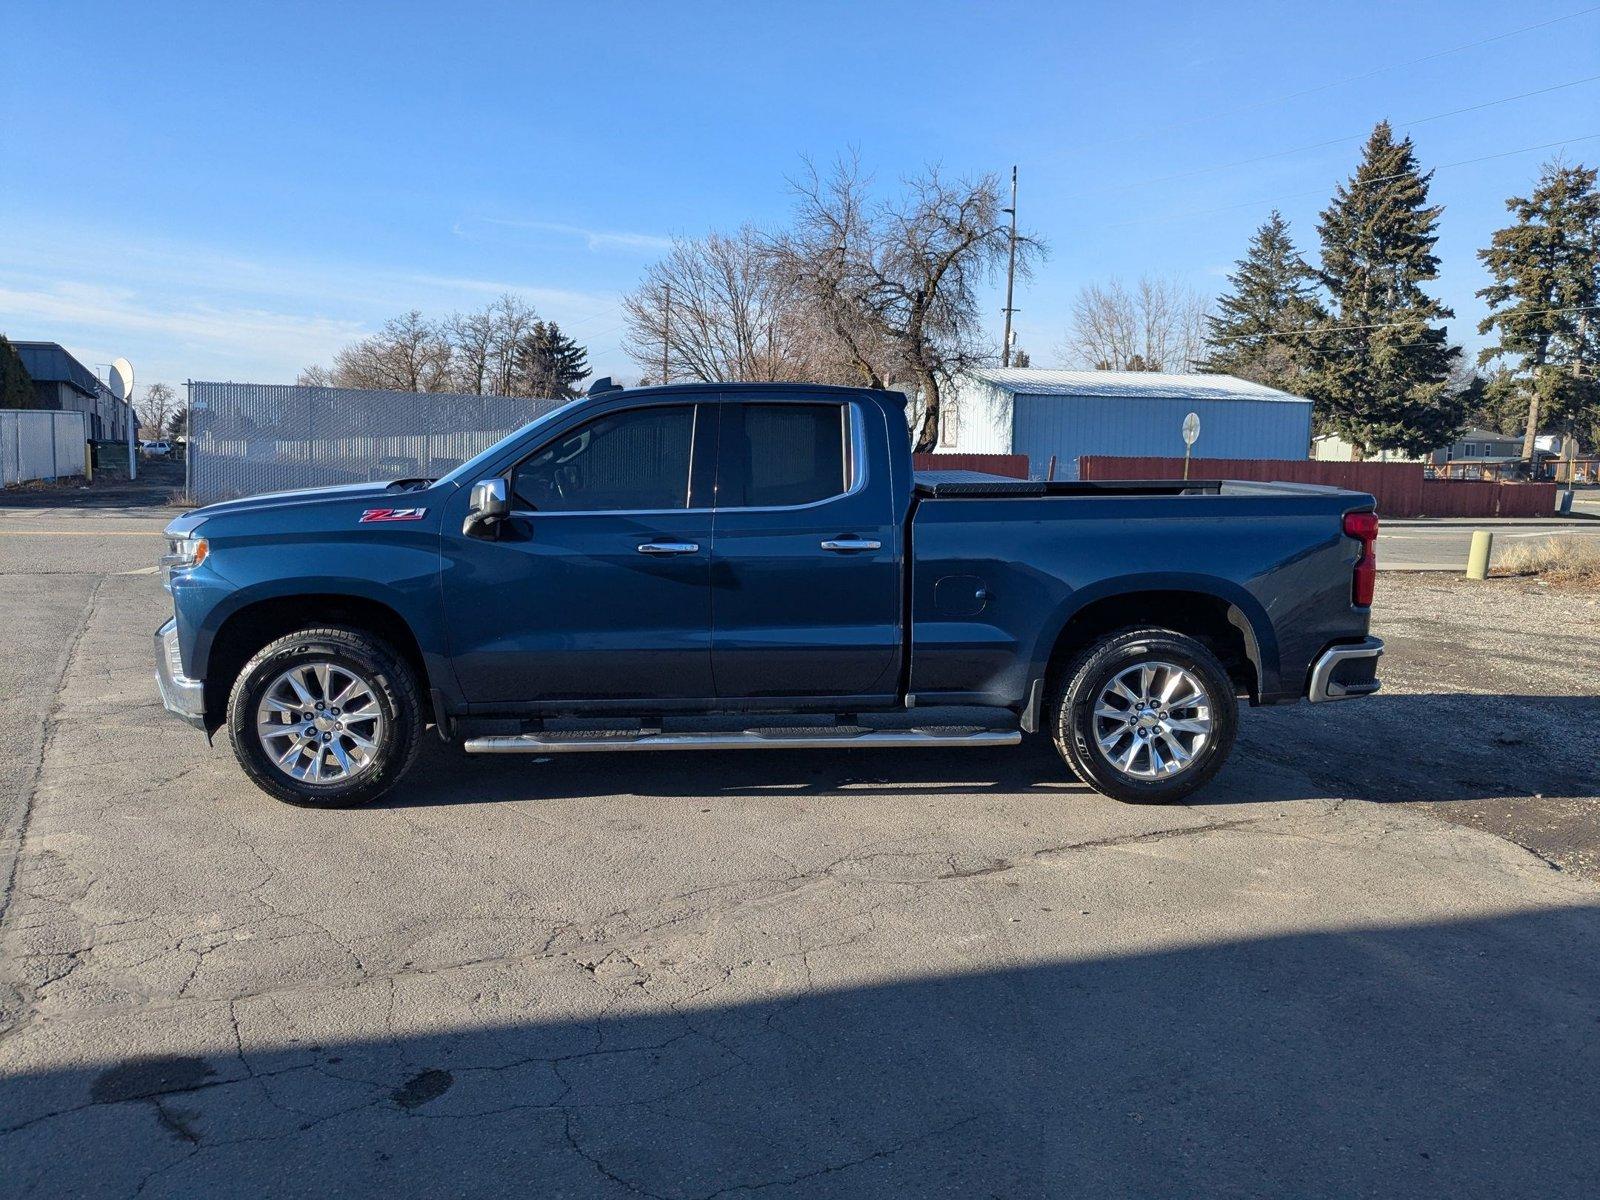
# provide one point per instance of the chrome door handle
(844, 545)
(669, 548)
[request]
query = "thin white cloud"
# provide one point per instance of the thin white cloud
(595, 239)
(191, 311)
(121, 309)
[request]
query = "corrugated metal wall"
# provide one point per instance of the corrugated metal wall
(249, 438)
(40, 445)
(1070, 427)
(977, 418)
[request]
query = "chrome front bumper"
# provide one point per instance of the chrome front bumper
(1346, 672)
(181, 696)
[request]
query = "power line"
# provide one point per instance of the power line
(1244, 162)
(1322, 87)
(1205, 212)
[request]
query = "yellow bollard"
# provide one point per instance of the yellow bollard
(88, 462)
(1478, 556)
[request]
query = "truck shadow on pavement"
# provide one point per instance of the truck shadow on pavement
(1436, 748)
(1458, 1059)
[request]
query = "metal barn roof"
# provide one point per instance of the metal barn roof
(1129, 385)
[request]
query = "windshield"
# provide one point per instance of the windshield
(467, 472)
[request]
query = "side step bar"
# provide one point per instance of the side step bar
(533, 743)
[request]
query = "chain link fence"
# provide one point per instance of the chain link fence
(249, 438)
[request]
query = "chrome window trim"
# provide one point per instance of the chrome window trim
(694, 407)
(856, 461)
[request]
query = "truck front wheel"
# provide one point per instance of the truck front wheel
(1145, 715)
(325, 718)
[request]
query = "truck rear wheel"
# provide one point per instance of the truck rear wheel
(325, 718)
(1145, 716)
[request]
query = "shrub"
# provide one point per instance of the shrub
(1557, 559)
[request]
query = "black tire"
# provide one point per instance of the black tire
(392, 685)
(1072, 722)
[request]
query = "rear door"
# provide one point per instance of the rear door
(805, 574)
(597, 586)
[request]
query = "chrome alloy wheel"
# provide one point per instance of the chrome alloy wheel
(1152, 720)
(320, 722)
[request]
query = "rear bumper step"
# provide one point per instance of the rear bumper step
(1345, 672)
(854, 738)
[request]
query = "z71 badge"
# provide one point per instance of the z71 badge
(393, 514)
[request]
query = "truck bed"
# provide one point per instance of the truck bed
(956, 485)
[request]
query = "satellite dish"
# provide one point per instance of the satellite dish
(122, 379)
(1191, 429)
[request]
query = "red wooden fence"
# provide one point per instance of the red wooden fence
(1013, 466)
(1399, 488)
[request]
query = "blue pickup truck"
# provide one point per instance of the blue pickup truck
(730, 566)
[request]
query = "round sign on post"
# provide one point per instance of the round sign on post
(1191, 434)
(122, 387)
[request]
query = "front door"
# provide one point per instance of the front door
(597, 587)
(805, 576)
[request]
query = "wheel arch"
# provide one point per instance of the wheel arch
(251, 626)
(1224, 617)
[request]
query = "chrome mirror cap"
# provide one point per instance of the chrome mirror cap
(488, 507)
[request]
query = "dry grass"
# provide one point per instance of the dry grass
(1557, 560)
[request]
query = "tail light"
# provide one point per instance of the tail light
(1363, 526)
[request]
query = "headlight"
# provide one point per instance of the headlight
(183, 554)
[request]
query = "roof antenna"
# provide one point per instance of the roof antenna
(603, 384)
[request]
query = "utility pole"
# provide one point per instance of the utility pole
(666, 330)
(1011, 272)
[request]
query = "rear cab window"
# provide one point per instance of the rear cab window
(783, 455)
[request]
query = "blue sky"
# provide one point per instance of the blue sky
(234, 191)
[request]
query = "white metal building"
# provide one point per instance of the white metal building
(1021, 410)
(66, 385)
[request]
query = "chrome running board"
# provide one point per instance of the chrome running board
(570, 743)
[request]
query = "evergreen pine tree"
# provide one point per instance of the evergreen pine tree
(1383, 365)
(16, 386)
(549, 363)
(1546, 270)
(1272, 300)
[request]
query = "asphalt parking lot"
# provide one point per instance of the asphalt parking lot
(1362, 962)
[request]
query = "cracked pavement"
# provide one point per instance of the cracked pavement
(1363, 962)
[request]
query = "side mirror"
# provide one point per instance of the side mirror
(488, 507)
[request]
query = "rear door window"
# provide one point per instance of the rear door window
(782, 455)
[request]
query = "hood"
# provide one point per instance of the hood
(190, 521)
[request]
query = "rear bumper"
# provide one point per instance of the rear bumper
(1346, 671)
(181, 696)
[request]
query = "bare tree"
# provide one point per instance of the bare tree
(410, 354)
(895, 280)
(478, 353)
(157, 409)
(1158, 326)
(716, 309)
(472, 338)
(832, 223)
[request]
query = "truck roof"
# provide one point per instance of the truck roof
(894, 399)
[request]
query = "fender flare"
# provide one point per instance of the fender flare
(1244, 611)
